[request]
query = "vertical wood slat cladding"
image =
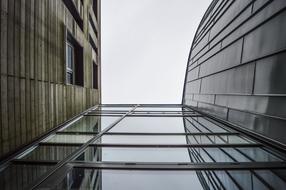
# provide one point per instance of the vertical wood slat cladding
(34, 96)
(238, 72)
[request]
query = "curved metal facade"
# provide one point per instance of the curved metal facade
(237, 65)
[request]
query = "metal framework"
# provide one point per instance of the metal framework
(211, 145)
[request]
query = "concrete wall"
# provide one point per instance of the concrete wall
(237, 65)
(34, 93)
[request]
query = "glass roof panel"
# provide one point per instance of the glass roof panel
(158, 109)
(91, 124)
(143, 139)
(235, 154)
(49, 152)
(80, 178)
(63, 138)
(115, 108)
(150, 125)
(121, 154)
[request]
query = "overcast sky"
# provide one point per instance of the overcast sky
(145, 46)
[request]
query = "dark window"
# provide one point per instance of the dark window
(95, 76)
(95, 7)
(74, 61)
(72, 7)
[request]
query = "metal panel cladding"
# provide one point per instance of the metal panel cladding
(237, 66)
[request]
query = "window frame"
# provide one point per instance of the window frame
(68, 69)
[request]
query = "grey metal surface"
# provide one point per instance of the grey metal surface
(236, 67)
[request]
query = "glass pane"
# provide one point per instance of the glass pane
(116, 108)
(205, 126)
(275, 178)
(259, 155)
(216, 139)
(143, 139)
(158, 109)
(230, 155)
(49, 152)
(59, 138)
(119, 154)
(130, 179)
(235, 139)
(211, 125)
(80, 178)
(150, 125)
(91, 124)
(70, 56)
(21, 176)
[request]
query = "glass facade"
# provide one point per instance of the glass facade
(146, 147)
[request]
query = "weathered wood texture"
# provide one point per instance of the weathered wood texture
(34, 95)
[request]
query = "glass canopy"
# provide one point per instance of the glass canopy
(145, 147)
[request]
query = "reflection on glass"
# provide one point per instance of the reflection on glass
(150, 125)
(119, 154)
(172, 139)
(216, 139)
(49, 152)
(195, 155)
(201, 155)
(258, 154)
(59, 138)
(202, 125)
(91, 124)
(21, 176)
(143, 139)
(80, 178)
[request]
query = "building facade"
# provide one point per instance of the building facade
(50, 66)
(226, 134)
(236, 67)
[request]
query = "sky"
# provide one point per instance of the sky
(145, 47)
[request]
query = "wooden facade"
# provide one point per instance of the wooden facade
(34, 94)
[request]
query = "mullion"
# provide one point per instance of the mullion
(174, 145)
(127, 133)
(151, 145)
(179, 166)
(146, 115)
(163, 115)
(164, 111)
